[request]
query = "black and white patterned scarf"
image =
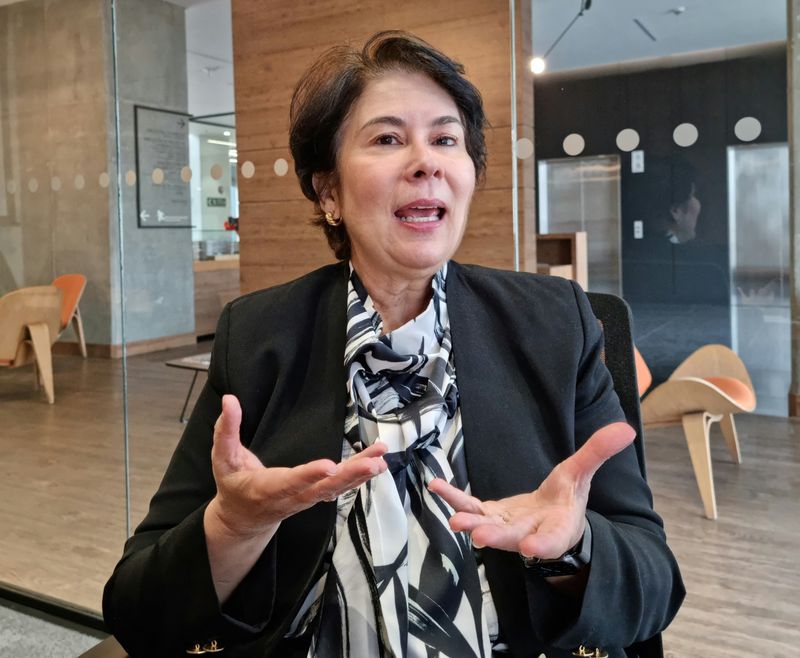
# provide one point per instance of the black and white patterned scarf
(400, 582)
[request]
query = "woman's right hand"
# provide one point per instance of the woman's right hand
(252, 499)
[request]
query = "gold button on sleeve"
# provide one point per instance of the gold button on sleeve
(213, 647)
(589, 652)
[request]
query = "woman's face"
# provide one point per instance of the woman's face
(405, 179)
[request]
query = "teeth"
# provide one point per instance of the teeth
(417, 220)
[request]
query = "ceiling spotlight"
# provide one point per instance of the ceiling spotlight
(226, 133)
(538, 65)
(677, 11)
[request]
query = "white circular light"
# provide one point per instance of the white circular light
(158, 176)
(55, 183)
(574, 144)
(248, 169)
(281, 167)
(186, 174)
(80, 182)
(524, 148)
(747, 129)
(538, 65)
(627, 140)
(104, 179)
(226, 133)
(130, 178)
(216, 171)
(685, 134)
(33, 185)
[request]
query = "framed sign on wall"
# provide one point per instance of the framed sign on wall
(162, 156)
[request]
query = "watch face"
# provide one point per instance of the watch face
(568, 564)
(548, 568)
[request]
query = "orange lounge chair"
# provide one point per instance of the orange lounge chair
(72, 287)
(29, 322)
(709, 386)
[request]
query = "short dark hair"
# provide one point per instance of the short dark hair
(327, 91)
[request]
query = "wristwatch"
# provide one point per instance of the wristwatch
(568, 564)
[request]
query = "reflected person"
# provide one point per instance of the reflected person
(383, 443)
(685, 207)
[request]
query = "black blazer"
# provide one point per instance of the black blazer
(532, 388)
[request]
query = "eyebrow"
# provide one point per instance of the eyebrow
(397, 121)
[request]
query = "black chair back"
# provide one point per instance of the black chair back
(615, 317)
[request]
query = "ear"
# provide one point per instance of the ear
(325, 193)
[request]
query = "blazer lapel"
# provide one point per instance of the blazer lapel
(314, 430)
(501, 433)
(497, 413)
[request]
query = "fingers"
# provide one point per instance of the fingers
(227, 446)
(553, 538)
(350, 474)
(455, 497)
(325, 480)
(377, 449)
(601, 446)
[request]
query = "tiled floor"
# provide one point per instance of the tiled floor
(26, 633)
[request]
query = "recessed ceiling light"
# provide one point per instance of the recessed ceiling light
(677, 11)
(227, 133)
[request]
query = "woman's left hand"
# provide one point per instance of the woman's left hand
(547, 522)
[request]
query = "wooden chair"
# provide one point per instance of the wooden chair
(615, 317)
(711, 385)
(72, 287)
(29, 324)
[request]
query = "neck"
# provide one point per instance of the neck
(397, 299)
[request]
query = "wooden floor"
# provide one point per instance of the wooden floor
(62, 509)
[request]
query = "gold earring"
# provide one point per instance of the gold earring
(333, 221)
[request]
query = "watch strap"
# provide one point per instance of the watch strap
(569, 563)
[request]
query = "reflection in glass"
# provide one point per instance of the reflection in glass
(758, 188)
(582, 194)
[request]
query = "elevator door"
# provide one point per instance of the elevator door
(583, 194)
(758, 191)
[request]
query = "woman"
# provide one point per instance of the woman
(367, 410)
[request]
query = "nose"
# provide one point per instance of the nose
(424, 162)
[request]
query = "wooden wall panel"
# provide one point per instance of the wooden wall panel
(274, 43)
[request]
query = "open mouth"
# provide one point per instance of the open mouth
(420, 214)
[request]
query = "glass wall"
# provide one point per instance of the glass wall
(119, 162)
(687, 115)
(62, 495)
(109, 171)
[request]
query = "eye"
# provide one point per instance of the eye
(387, 140)
(445, 140)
